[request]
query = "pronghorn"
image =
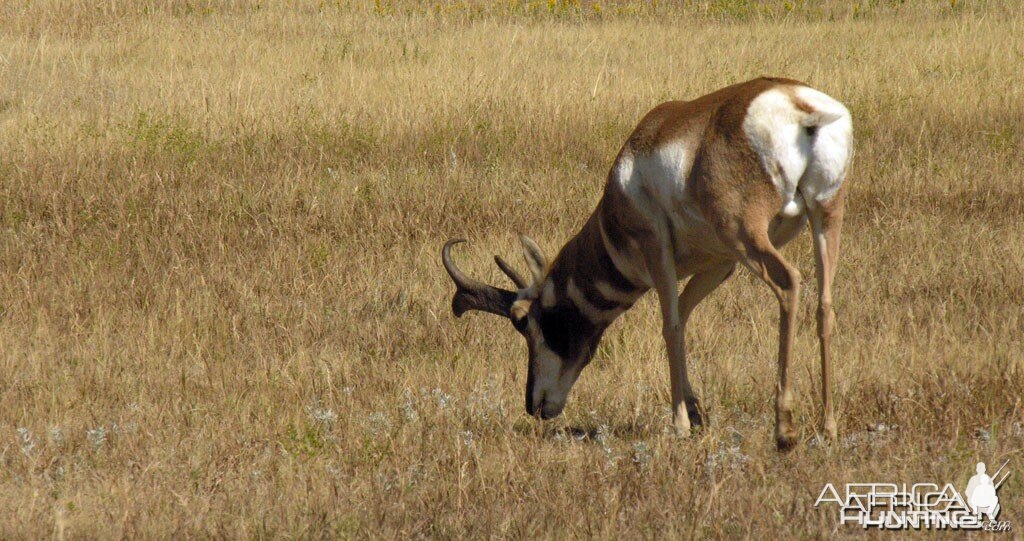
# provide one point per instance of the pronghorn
(699, 186)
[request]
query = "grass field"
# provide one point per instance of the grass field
(222, 310)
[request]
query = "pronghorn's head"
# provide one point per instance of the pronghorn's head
(560, 339)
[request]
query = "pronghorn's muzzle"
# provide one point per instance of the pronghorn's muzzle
(549, 410)
(544, 409)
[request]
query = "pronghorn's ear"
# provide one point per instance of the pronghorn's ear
(534, 258)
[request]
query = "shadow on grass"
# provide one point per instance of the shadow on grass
(586, 433)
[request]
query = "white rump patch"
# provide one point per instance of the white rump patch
(795, 158)
(831, 147)
(773, 127)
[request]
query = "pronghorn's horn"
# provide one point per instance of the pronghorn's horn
(516, 278)
(471, 294)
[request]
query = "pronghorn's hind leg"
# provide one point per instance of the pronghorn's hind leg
(826, 222)
(767, 263)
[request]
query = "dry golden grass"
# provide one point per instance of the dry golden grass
(222, 312)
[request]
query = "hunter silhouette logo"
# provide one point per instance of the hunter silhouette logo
(981, 491)
(903, 506)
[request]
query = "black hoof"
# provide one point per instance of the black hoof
(785, 443)
(696, 419)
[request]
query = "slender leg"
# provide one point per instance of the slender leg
(826, 223)
(700, 286)
(784, 280)
(697, 289)
(661, 267)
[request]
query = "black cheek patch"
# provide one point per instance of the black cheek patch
(530, 378)
(565, 328)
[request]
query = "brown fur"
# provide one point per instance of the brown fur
(740, 223)
(740, 204)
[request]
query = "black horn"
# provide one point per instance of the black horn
(516, 278)
(471, 294)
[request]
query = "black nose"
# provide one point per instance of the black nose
(538, 410)
(541, 410)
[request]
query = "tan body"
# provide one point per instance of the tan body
(697, 188)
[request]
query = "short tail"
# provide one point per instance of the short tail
(819, 118)
(820, 109)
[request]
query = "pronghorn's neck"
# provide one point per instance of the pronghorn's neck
(584, 283)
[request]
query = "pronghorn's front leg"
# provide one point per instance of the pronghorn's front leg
(660, 264)
(826, 222)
